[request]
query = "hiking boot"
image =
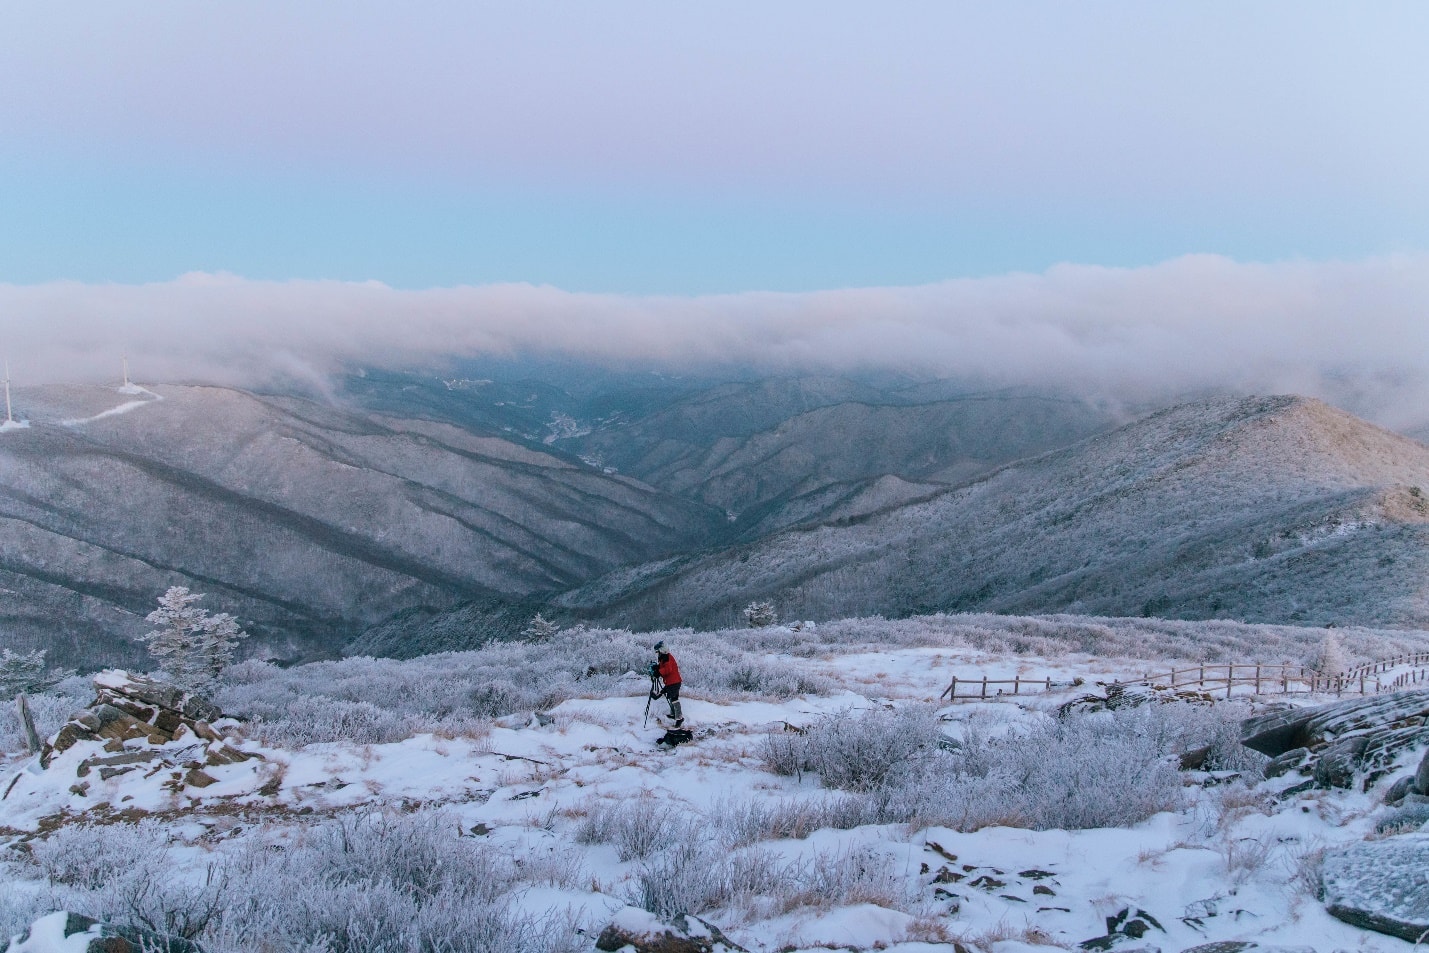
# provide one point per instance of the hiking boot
(679, 722)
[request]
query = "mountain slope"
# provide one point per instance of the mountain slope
(1265, 509)
(748, 448)
(308, 522)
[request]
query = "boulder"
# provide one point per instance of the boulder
(73, 932)
(1285, 762)
(645, 933)
(143, 689)
(1336, 764)
(1381, 885)
(1277, 732)
(1421, 777)
(1130, 924)
(1246, 946)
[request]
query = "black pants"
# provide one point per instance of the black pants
(671, 693)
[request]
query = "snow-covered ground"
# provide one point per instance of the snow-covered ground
(580, 797)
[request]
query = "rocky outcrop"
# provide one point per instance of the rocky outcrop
(1336, 743)
(1381, 885)
(635, 929)
(1121, 695)
(138, 723)
(66, 931)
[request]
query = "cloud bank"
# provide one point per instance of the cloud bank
(1353, 333)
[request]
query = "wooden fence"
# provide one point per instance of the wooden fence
(1214, 678)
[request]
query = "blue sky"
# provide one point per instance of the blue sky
(655, 148)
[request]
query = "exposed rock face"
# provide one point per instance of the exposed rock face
(61, 931)
(644, 933)
(1121, 695)
(146, 724)
(1381, 885)
(1338, 742)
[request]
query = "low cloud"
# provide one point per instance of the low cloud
(1354, 333)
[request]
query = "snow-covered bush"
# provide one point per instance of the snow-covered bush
(374, 883)
(1107, 769)
(637, 827)
(741, 823)
(50, 709)
(855, 751)
(25, 672)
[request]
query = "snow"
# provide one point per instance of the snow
(1226, 867)
(8, 425)
(147, 397)
(47, 935)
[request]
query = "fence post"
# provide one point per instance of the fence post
(1049, 683)
(1257, 679)
(984, 686)
(1016, 684)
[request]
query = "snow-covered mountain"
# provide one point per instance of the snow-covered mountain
(1271, 508)
(308, 522)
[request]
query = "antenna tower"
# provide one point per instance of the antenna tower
(9, 416)
(125, 358)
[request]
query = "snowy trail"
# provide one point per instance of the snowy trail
(124, 408)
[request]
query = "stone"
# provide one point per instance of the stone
(1335, 766)
(1385, 747)
(140, 688)
(1399, 789)
(86, 719)
(128, 758)
(61, 930)
(1410, 817)
(1130, 923)
(1421, 777)
(198, 778)
(1245, 946)
(644, 933)
(1277, 732)
(1285, 762)
(1381, 885)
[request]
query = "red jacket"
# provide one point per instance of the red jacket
(669, 670)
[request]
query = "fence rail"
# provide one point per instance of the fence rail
(1262, 678)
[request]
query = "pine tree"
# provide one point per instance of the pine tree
(191, 646)
(539, 629)
(759, 615)
(1330, 659)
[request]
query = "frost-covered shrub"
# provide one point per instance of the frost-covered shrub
(312, 719)
(1108, 769)
(374, 883)
(740, 823)
(855, 751)
(123, 873)
(636, 827)
(50, 709)
(1082, 771)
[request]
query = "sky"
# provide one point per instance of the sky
(635, 156)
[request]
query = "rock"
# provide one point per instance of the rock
(1410, 817)
(198, 778)
(60, 931)
(1335, 766)
(645, 933)
(1246, 946)
(1381, 885)
(1277, 732)
(1384, 748)
(112, 760)
(1399, 789)
(1285, 762)
(143, 689)
(1421, 777)
(1195, 759)
(86, 719)
(1131, 923)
